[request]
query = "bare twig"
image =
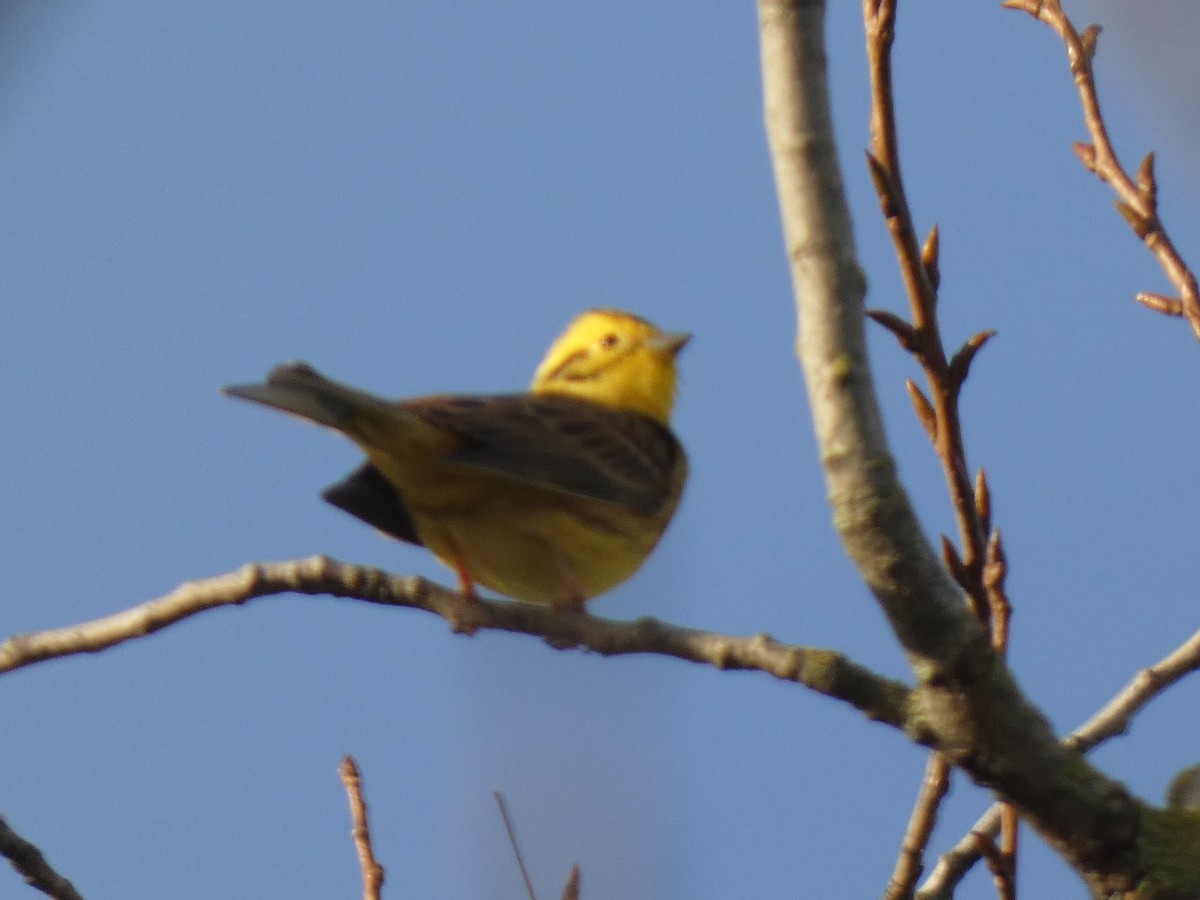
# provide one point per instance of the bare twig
(825, 671)
(372, 871)
(999, 864)
(1137, 197)
(512, 840)
(1112, 720)
(1138, 204)
(995, 572)
(571, 888)
(1157, 302)
(32, 866)
(910, 862)
(980, 568)
(922, 337)
(1003, 865)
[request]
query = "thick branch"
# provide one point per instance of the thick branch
(824, 671)
(871, 509)
(1112, 720)
(970, 706)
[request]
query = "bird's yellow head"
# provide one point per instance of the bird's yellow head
(615, 358)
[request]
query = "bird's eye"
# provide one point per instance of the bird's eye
(610, 340)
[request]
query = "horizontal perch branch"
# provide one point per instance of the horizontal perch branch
(825, 671)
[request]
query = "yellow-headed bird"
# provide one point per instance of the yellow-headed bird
(552, 496)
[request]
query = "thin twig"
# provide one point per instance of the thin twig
(571, 888)
(512, 840)
(1004, 866)
(999, 864)
(1138, 204)
(1113, 719)
(1116, 715)
(995, 573)
(825, 671)
(920, 269)
(32, 866)
(372, 871)
(980, 568)
(910, 862)
(1137, 197)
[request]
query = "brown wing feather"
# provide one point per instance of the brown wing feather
(561, 443)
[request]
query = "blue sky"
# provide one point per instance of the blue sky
(416, 198)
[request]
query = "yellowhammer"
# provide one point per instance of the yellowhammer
(553, 496)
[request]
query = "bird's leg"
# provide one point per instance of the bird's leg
(466, 584)
(575, 599)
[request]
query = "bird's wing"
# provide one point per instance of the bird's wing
(561, 443)
(367, 495)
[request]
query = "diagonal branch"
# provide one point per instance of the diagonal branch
(32, 866)
(1118, 713)
(511, 830)
(871, 510)
(1137, 197)
(825, 671)
(1112, 720)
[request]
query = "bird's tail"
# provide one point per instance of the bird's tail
(301, 390)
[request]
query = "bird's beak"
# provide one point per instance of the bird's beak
(670, 342)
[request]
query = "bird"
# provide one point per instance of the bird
(553, 496)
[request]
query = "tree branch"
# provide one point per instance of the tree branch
(372, 871)
(511, 830)
(571, 888)
(871, 510)
(1137, 197)
(920, 268)
(1110, 721)
(32, 866)
(824, 671)
(969, 706)
(910, 861)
